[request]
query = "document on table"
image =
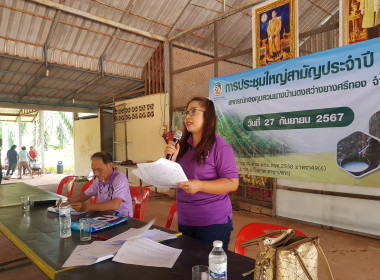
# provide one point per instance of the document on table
(143, 251)
(158, 235)
(111, 246)
(98, 251)
(130, 234)
(162, 173)
(76, 258)
(55, 209)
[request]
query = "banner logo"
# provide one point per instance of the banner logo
(217, 89)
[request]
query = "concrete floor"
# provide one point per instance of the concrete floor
(350, 256)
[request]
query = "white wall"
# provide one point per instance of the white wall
(352, 214)
(144, 135)
(86, 143)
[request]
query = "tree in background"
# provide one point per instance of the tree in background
(11, 138)
(61, 124)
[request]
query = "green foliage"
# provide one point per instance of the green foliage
(23, 128)
(66, 168)
(47, 139)
(51, 169)
(61, 124)
(68, 123)
(247, 144)
(82, 179)
(11, 138)
(35, 133)
(61, 136)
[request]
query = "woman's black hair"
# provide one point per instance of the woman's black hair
(208, 131)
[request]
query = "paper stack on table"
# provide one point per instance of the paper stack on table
(55, 209)
(143, 251)
(159, 255)
(162, 173)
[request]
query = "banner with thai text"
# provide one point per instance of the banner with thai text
(312, 118)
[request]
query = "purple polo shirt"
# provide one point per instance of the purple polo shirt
(117, 186)
(202, 209)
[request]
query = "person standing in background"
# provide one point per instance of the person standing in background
(32, 158)
(12, 157)
(33, 155)
(203, 205)
(24, 156)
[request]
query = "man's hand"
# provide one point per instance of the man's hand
(79, 206)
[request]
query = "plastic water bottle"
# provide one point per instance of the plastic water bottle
(217, 261)
(64, 219)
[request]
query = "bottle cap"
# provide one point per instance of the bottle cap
(218, 243)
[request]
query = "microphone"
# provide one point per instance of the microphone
(176, 138)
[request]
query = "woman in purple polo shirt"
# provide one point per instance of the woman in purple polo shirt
(204, 208)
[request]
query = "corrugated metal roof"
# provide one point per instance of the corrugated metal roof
(13, 115)
(96, 49)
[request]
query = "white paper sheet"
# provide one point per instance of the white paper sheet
(130, 234)
(143, 251)
(158, 235)
(162, 173)
(76, 258)
(99, 249)
(55, 209)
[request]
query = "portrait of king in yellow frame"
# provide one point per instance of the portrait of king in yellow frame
(275, 32)
(361, 20)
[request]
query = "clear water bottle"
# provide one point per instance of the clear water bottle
(64, 219)
(217, 261)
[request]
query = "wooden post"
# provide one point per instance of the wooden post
(145, 79)
(171, 92)
(160, 66)
(149, 79)
(156, 68)
(216, 70)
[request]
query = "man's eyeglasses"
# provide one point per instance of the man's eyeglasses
(191, 112)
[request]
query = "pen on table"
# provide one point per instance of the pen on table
(100, 237)
(248, 273)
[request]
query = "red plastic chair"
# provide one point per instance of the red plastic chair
(172, 211)
(93, 199)
(69, 181)
(254, 230)
(140, 195)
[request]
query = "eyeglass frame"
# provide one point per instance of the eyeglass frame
(191, 112)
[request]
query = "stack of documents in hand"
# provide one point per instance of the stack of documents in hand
(135, 246)
(162, 173)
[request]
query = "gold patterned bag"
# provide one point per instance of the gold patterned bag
(287, 257)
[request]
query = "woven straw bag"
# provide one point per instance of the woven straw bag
(287, 257)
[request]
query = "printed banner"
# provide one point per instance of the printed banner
(312, 118)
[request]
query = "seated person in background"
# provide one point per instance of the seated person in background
(110, 186)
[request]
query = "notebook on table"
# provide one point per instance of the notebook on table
(102, 222)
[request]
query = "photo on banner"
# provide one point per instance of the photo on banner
(275, 33)
(314, 118)
(360, 20)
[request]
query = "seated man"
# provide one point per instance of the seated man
(110, 186)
